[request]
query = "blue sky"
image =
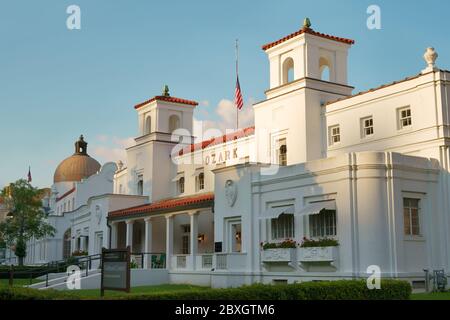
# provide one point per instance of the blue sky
(56, 84)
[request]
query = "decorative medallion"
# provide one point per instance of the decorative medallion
(230, 192)
(98, 214)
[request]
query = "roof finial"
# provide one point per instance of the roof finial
(430, 57)
(306, 23)
(166, 91)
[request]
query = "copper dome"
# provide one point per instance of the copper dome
(78, 166)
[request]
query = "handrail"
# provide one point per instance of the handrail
(52, 267)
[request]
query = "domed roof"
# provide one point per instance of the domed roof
(78, 166)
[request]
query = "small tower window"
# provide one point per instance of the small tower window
(288, 70)
(140, 185)
(282, 152)
(174, 123)
(324, 66)
(148, 125)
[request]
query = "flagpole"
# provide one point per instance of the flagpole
(237, 77)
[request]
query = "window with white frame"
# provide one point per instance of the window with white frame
(140, 185)
(334, 135)
(411, 218)
(405, 118)
(283, 227)
(200, 181)
(181, 185)
(367, 127)
(323, 224)
(282, 152)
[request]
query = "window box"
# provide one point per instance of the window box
(284, 255)
(319, 254)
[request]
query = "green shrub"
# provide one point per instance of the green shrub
(17, 293)
(332, 290)
(286, 244)
(323, 242)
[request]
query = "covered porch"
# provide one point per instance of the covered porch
(175, 234)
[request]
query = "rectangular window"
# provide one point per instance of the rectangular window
(282, 152)
(200, 181)
(181, 185)
(323, 224)
(411, 217)
(140, 185)
(367, 127)
(283, 227)
(404, 116)
(334, 135)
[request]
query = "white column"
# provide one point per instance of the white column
(194, 234)
(169, 240)
(114, 234)
(130, 234)
(148, 243)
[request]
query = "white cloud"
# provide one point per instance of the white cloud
(111, 148)
(226, 110)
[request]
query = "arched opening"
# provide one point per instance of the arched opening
(181, 185)
(288, 70)
(67, 243)
(282, 156)
(325, 69)
(148, 125)
(174, 123)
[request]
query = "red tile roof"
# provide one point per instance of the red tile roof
(167, 99)
(172, 203)
(308, 31)
(218, 140)
(65, 194)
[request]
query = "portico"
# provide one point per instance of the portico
(178, 236)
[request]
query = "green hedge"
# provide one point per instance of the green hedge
(333, 290)
(17, 293)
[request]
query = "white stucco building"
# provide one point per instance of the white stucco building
(369, 170)
(81, 197)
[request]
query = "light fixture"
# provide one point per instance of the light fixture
(238, 235)
(201, 237)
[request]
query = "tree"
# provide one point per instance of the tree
(27, 218)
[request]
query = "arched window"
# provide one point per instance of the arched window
(181, 185)
(288, 70)
(174, 123)
(148, 125)
(67, 244)
(282, 158)
(201, 181)
(325, 71)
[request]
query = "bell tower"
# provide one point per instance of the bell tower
(164, 122)
(307, 69)
(308, 54)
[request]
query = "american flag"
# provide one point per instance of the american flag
(29, 174)
(238, 101)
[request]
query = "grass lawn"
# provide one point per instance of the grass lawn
(431, 296)
(95, 293)
(17, 282)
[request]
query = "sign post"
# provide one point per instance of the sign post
(115, 270)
